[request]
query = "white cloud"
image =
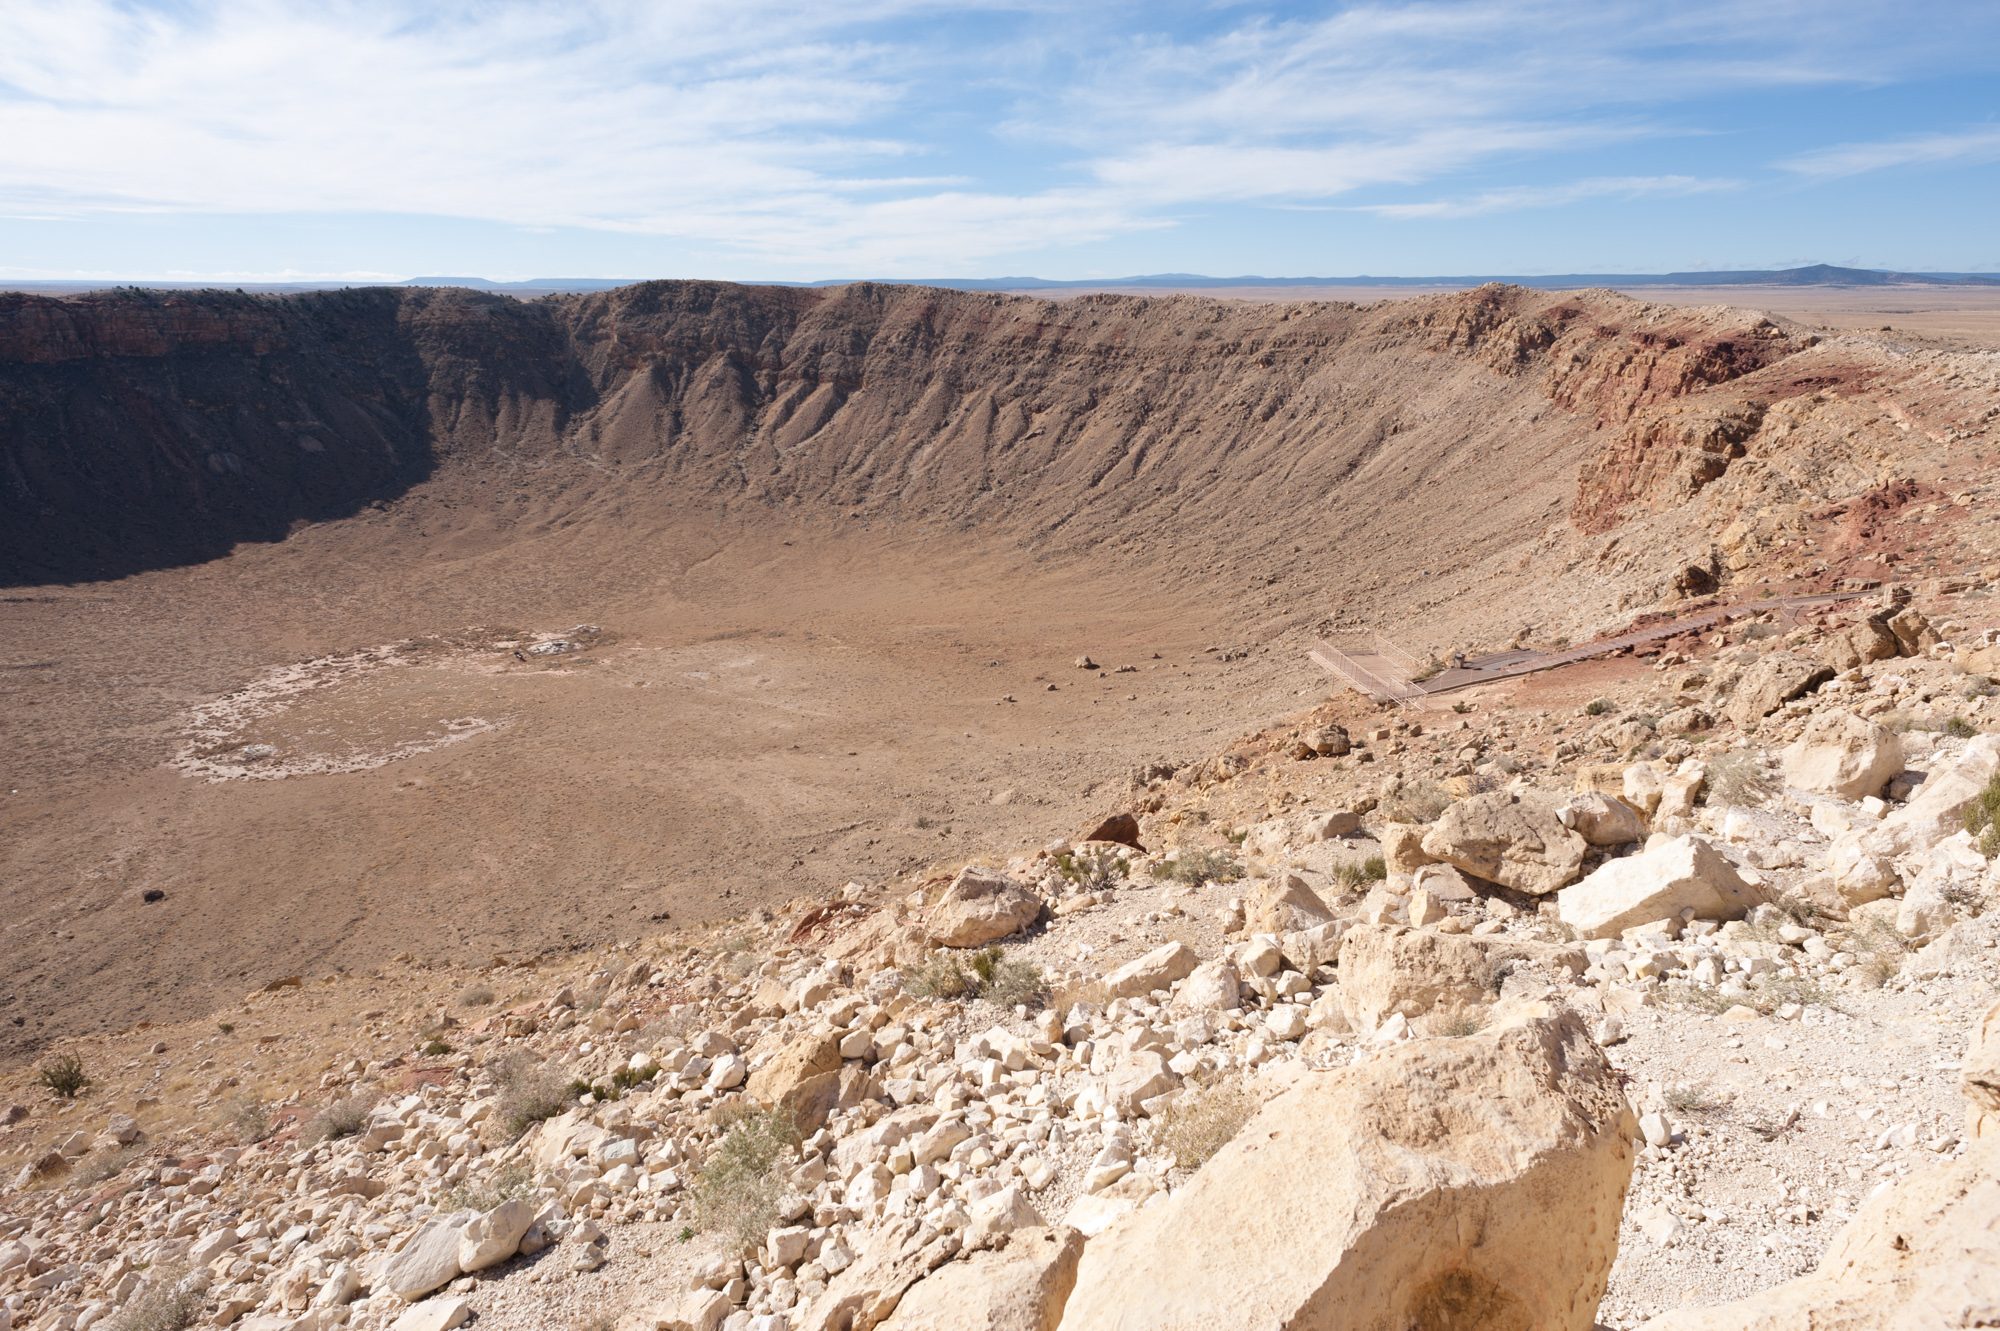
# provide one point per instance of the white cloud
(1521, 197)
(1853, 159)
(859, 136)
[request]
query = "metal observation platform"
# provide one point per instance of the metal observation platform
(1377, 667)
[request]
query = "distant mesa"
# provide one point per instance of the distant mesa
(1810, 275)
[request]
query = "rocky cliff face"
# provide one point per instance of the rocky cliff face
(140, 429)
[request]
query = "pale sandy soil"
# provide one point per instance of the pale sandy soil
(762, 715)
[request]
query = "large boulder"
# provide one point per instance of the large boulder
(981, 906)
(893, 1256)
(1403, 848)
(1156, 970)
(494, 1236)
(1772, 682)
(1923, 1253)
(1603, 820)
(801, 1076)
(1938, 808)
(1280, 906)
(1842, 754)
(428, 1261)
(1387, 969)
(1472, 1182)
(1671, 875)
(1864, 861)
(1515, 840)
(1021, 1287)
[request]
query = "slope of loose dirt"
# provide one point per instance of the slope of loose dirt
(817, 537)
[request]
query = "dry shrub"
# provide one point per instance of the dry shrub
(249, 1122)
(1415, 802)
(988, 973)
(529, 1091)
(63, 1075)
(1199, 868)
(1739, 778)
(742, 1180)
(343, 1118)
(95, 1168)
(505, 1184)
(1201, 1122)
(163, 1306)
(1458, 1023)
(477, 996)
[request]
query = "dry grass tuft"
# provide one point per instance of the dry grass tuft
(1201, 1122)
(529, 1092)
(988, 973)
(342, 1118)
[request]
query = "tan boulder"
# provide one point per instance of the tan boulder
(1403, 848)
(980, 907)
(1842, 754)
(1021, 1287)
(1770, 683)
(1213, 986)
(1386, 969)
(801, 1076)
(1671, 875)
(1603, 820)
(1156, 970)
(1442, 882)
(1923, 1254)
(1471, 1182)
(494, 1236)
(427, 1261)
(1914, 634)
(1282, 905)
(1515, 840)
(893, 1257)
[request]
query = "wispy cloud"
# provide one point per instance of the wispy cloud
(1853, 159)
(886, 136)
(1522, 197)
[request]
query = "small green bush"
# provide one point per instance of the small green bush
(1982, 818)
(1094, 869)
(741, 1181)
(1959, 728)
(1355, 875)
(1199, 868)
(64, 1076)
(1597, 707)
(988, 973)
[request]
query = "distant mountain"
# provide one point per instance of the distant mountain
(1812, 275)
(534, 284)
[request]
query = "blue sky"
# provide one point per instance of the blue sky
(751, 139)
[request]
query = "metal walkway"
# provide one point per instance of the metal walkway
(1385, 673)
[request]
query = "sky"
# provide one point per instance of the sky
(751, 139)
